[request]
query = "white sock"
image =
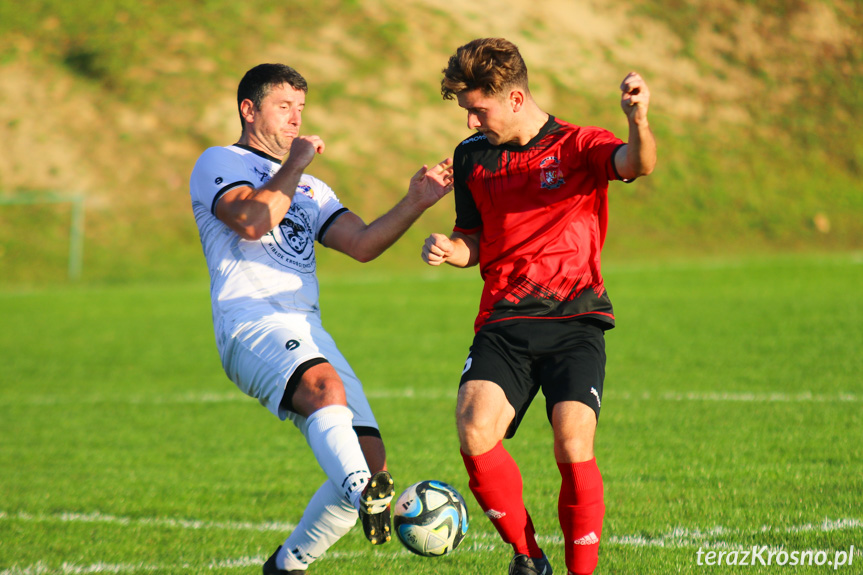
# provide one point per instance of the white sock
(326, 519)
(337, 449)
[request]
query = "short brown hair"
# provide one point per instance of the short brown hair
(258, 82)
(490, 64)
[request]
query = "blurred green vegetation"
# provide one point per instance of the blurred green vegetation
(766, 159)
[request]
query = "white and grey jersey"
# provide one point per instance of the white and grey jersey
(276, 273)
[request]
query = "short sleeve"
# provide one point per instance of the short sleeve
(216, 172)
(598, 147)
(467, 217)
(328, 203)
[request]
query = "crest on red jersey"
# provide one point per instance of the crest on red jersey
(550, 175)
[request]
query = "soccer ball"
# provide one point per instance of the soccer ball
(430, 518)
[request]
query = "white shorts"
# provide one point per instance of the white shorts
(260, 356)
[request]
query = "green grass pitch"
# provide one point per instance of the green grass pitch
(731, 419)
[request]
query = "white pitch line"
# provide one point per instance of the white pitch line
(676, 538)
(706, 396)
(180, 398)
(238, 397)
(825, 526)
(41, 568)
(191, 524)
(713, 537)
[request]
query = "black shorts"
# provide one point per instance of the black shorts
(566, 359)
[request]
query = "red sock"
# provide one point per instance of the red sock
(495, 481)
(580, 510)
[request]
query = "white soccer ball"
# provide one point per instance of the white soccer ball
(430, 518)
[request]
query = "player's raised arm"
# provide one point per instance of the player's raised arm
(364, 242)
(638, 156)
(253, 212)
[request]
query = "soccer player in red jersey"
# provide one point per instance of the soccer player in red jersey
(531, 211)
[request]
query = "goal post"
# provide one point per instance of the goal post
(76, 228)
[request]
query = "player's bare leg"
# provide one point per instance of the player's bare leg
(374, 452)
(328, 516)
(581, 504)
(574, 426)
(319, 387)
(321, 398)
(483, 416)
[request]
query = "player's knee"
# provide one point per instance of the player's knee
(574, 449)
(574, 432)
(329, 391)
(478, 430)
(317, 393)
(483, 416)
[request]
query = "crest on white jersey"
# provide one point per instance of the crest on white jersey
(292, 242)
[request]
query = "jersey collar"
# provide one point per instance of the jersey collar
(258, 152)
(543, 131)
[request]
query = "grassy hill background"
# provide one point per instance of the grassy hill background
(755, 105)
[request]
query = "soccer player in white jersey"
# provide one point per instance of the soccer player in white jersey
(258, 219)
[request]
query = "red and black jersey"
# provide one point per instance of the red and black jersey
(541, 211)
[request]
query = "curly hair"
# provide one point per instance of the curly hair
(488, 64)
